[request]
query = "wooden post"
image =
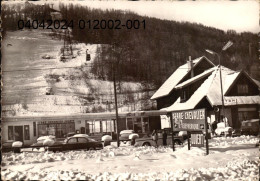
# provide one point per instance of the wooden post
(117, 129)
(206, 130)
(188, 132)
(172, 128)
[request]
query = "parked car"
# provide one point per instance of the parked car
(70, 134)
(148, 140)
(7, 146)
(250, 127)
(124, 135)
(236, 132)
(223, 130)
(76, 142)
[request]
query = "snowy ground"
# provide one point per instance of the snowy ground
(229, 159)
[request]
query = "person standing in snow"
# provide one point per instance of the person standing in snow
(155, 137)
(164, 138)
(214, 127)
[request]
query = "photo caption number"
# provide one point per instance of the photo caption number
(28, 24)
(56, 24)
(82, 24)
(143, 23)
(20, 24)
(42, 24)
(64, 24)
(129, 24)
(35, 24)
(95, 26)
(103, 24)
(49, 23)
(136, 24)
(70, 24)
(110, 24)
(118, 24)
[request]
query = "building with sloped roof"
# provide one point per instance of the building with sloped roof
(203, 90)
(167, 94)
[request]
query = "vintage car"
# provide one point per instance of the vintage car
(148, 140)
(76, 142)
(223, 130)
(124, 135)
(250, 127)
(7, 146)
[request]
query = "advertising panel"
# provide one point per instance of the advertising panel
(197, 140)
(189, 120)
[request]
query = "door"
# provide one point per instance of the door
(83, 143)
(18, 133)
(72, 144)
(82, 130)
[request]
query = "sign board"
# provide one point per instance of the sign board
(194, 122)
(197, 140)
(165, 121)
(189, 120)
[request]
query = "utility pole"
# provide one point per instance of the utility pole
(115, 94)
(227, 45)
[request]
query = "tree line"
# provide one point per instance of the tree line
(152, 54)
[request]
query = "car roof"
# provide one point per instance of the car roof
(80, 135)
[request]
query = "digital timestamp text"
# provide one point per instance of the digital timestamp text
(82, 24)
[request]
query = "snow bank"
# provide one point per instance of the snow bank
(245, 170)
(106, 138)
(42, 138)
(17, 144)
(238, 168)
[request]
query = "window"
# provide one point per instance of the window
(82, 140)
(138, 125)
(129, 123)
(110, 127)
(72, 140)
(42, 130)
(145, 125)
(242, 89)
(26, 132)
(34, 128)
(97, 126)
(10, 133)
(183, 96)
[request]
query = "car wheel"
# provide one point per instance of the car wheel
(177, 142)
(146, 144)
(91, 148)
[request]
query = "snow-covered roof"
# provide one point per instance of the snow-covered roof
(229, 80)
(198, 95)
(257, 82)
(210, 89)
(198, 77)
(176, 77)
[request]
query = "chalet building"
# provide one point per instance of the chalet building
(166, 95)
(198, 86)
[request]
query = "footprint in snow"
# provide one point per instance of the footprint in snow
(173, 156)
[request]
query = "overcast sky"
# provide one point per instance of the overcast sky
(237, 15)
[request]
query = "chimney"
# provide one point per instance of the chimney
(190, 66)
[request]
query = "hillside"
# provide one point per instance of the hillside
(153, 53)
(142, 59)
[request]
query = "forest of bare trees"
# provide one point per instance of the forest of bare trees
(147, 55)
